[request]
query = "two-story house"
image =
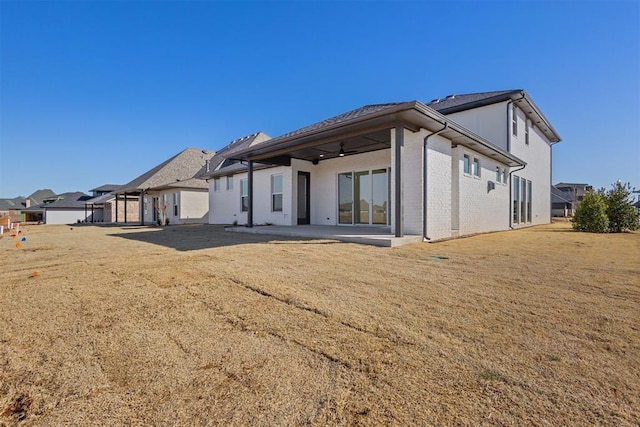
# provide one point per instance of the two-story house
(460, 165)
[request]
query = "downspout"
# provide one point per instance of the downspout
(424, 181)
(511, 195)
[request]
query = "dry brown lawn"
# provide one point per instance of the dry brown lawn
(190, 325)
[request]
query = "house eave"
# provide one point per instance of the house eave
(410, 115)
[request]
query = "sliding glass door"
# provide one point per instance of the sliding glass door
(362, 197)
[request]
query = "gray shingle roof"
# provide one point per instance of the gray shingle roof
(105, 188)
(349, 115)
(558, 196)
(39, 196)
(12, 204)
(70, 200)
(101, 199)
(222, 159)
(182, 166)
(454, 103)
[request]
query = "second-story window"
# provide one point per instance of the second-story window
(514, 120)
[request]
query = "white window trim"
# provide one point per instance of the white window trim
(217, 184)
(274, 193)
(526, 133)
(469, 158)
(243, 195)
(476, 171)
(514, 120)
(176, 205)
(230, 180)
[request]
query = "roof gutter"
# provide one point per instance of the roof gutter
(425, 238)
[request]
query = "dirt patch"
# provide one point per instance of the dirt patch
(192, 325)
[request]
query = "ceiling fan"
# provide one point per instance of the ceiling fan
(342, 152)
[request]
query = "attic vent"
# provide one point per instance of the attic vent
(435, 100)
(450, 96)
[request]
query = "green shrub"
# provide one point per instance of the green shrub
(622, 215)
(591, 214)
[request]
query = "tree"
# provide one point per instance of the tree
(622, 215)
(591, 214)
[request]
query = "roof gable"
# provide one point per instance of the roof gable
(182, 166)
(456, 103)
(222, 159)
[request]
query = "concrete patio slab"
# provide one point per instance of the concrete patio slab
(376, 236)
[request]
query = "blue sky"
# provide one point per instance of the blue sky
(99, 92)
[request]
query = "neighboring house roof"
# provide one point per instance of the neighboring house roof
(105, 188)
(223, 163)
(12, 204)
(565, 184)
(412, 114)
(636, 204)
(558, 196)
(99, 200)
(40, 196)
(456, 103)
(72, 200)
(183, 166)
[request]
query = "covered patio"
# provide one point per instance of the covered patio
(375, 236)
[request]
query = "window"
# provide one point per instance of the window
(516, 199)
(175, 204)
(229, 183)
(523, 200)
(504, 176)
(498, 174)
(528, 201)
(244, 195)
(476, 167)
(276, 193)
(514, 120)
(216, 184)
(526, 132)
(467, 164)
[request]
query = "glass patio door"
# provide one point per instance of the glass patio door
(362, 197)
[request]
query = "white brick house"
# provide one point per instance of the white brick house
(403, 167)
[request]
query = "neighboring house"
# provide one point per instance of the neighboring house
(66, 208)
(101, 207)
(560, 205)
(169, 192)
(13, 208)
(461, 165)
(573, 193)
(224, 189)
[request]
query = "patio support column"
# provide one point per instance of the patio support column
(125, 207)
(116, 219)
(141, 206)
(397, 167)
(92, 205)
(85, 212)
(250, 194)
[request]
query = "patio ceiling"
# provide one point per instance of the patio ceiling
(378, 140)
